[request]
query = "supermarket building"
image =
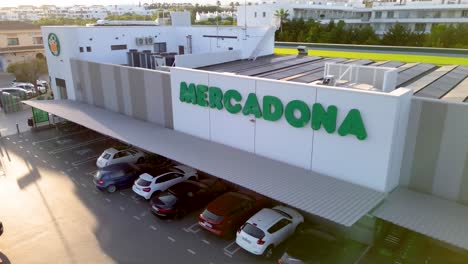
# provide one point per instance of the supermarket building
(347, 151)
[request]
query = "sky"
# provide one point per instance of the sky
(4, 3)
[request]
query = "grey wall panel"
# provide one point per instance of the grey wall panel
(431, 125)
(463, 192)
(94, 71)
(453, 151)
(108, 83)
(167, 94)
(126, 96)
(410, 142)
(75, 69)
(119, 89)
(154, 97)
(138, 93)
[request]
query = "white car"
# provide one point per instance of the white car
(114, 156)
(267, 229)
(30, 86)
(148, 185)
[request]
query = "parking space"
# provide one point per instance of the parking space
(72, 150)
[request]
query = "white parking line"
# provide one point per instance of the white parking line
(232, 248)
(108, 200)
(195, 228)
(53, 167)
(92, 173)
(206, 241)
(41, 148)
(14, 142)
(362, 255)
(54, 138)
(26, 139)
(69, 169)
(57, 157)
(153, 227)
(89, 142)
(62, 172)
(80, 162)
(171, 239)
(95, 192)
(227, 254)
(137, 218)
(122, 208)
(43, 161)
(123, 194)
(84, 185)
(21, 147)
(66, 162)
(36, 156)
(143, 214)
(28, 151)
(191, 251)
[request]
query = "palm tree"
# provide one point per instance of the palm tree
(283, 16)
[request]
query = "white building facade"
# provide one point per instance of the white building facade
(417, 16)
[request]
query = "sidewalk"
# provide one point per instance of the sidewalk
(8, 121)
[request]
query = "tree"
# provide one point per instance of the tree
(397, 35)
(28, 71)
(283, 16)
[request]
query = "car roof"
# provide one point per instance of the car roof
(111, 150)
(265, 218)
(117, 166)
(228, 202)
(185, 187)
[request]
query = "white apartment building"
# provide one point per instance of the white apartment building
(381, 15)
(205, 16)
(33, 13)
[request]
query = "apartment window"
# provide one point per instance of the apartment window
(37, 41)
(255, 14)
(13, 41)
(88, 49)
(160, 47)
(390, 14)
(264, 14)
(81, 49)
(465, 13)
(420, 27)
(437, 14)
(378, 14)
(118, 47)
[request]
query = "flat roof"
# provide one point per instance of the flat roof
(426, 80)
(427, 214)
(333, 199)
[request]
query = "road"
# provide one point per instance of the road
(53, 214)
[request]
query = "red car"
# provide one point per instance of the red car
(227, 213)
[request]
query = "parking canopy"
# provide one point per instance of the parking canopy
(426, 214)
(327, 197)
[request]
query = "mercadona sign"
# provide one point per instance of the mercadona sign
(273, 109)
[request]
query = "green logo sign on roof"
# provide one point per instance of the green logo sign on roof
(54, 44)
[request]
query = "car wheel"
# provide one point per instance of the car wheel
(140, 160)
(111, 188)
(268, 252)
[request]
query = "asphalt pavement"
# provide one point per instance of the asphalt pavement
(52, 212)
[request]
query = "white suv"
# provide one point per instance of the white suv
(267, 229)
(147, 185)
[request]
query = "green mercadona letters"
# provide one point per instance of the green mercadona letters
(273, 109)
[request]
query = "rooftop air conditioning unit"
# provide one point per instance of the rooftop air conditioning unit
(329, 80)
(140, 41)
(149, 40)
(302, 50)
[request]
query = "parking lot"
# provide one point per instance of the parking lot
(57, 210)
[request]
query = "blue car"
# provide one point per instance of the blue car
(116, 176)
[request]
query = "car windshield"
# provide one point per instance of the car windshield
(142, 182)
(106, 156)
(212, 217)
(165, 199)
(253, 231)
(282, 213)
(99, 174)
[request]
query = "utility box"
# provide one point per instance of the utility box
(302, 50)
